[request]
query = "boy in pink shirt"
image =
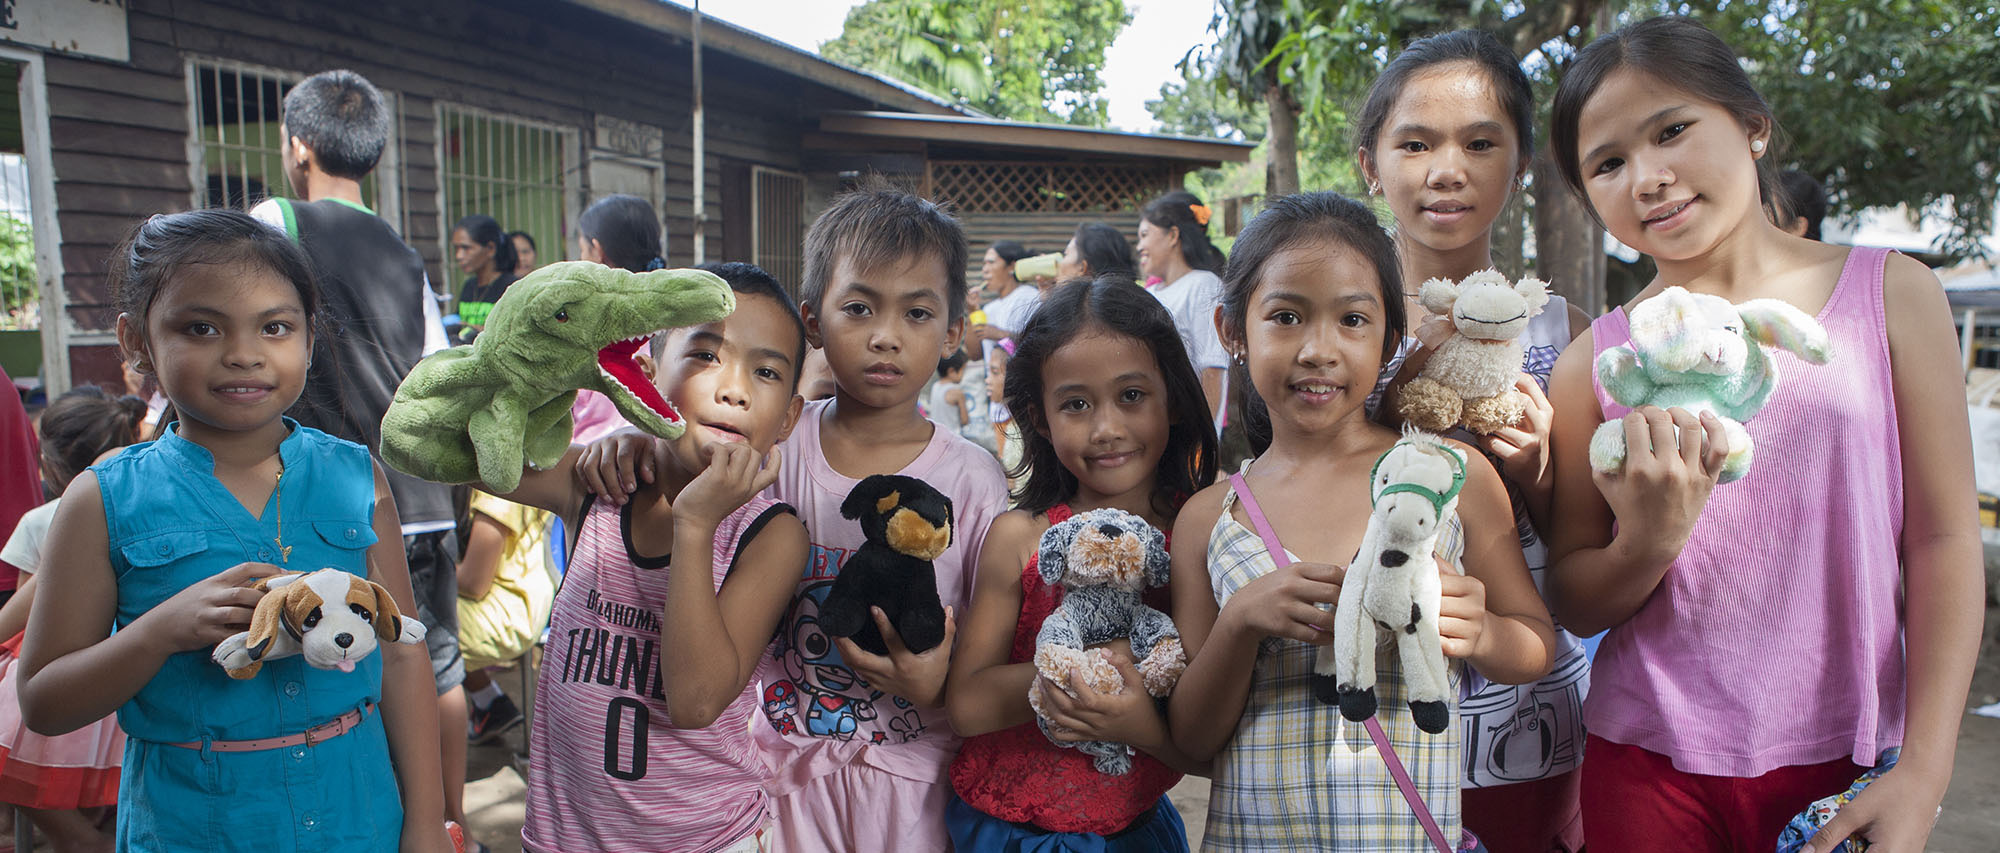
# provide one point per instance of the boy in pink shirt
(858, 744)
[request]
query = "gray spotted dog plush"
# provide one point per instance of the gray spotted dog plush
(1104, 560)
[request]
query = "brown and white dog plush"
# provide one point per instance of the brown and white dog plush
(331, 616)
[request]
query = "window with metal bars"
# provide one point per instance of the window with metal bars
(777, 233)
(20, 295)
(518, 171)
(238, 150)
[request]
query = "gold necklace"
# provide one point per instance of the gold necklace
(278, 495)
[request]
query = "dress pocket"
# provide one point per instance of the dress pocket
(159, 549)
(345, 535)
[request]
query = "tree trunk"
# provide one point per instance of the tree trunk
(1569, 247)
(1281, 170)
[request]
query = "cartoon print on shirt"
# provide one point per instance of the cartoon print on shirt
(819, 696)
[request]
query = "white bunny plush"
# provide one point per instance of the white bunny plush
(1701, 353)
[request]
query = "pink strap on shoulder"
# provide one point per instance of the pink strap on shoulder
(1396, 770)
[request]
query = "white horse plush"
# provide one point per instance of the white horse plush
(1392, 586)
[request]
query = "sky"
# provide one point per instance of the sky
(1140, 60)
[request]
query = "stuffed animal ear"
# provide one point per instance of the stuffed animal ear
(1667, 330)
(1052, 559)
(1159, 565)
(866, 494)
(266, 620)
(1776, 323)
(1536, 291)
(1437, 295)
(388, 617)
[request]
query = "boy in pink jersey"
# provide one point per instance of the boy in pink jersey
(859, 744)
(641, 734)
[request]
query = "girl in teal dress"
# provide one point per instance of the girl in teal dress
(164, 542)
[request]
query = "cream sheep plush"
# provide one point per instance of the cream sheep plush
(1104, 559)
(1698, 352)
(1469, 379)
(1392, 592)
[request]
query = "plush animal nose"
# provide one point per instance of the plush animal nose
(343, 640)
(1393, 558)
(1110, 531)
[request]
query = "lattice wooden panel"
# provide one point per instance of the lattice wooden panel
(977, 186)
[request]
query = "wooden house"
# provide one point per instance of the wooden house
(522, 109)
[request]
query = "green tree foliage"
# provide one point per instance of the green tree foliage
(18, 292)
(1886, 102)
(1032, 60)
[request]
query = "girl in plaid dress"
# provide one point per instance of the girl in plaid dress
(1311, 306)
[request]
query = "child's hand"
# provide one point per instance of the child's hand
(430, 837)
(1461, 613)
(612, 467)
(1287, 603)
(916, 677)
(212, 609)
(1523, 449)
(736, 472)
(1672, 460)
(1894, 813)
(1129, 718)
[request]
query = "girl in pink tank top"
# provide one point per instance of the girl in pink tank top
(1758, 656)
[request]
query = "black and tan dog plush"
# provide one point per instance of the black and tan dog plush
(332, 617)
(907, 525)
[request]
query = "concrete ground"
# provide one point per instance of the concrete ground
(1970, 823)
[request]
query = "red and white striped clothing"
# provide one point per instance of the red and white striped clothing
(606, 770)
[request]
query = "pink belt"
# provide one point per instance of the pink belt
(323, 732)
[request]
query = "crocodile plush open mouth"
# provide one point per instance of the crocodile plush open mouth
(620, 365)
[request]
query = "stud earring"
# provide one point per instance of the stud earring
(1756, 146)
(1374, 189)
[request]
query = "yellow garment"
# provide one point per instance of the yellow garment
(502, 626)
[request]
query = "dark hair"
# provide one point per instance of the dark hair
(1111, 304)
(79, 426)
(1176, 210)
(1803, 198)
(343, 118)
(485, 230)
(752, 280)
(1104, 249)
(1680, 54)
(162, 245)
(1287, 222)
(1011, 252)
(879, 224)
(626, 230)
(1479, 47)
(523, 235)
(955, 361)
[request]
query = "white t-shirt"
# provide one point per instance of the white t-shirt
(1191, 300)
(1011, 312)
(24, 548)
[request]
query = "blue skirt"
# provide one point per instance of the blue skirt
(974, 831)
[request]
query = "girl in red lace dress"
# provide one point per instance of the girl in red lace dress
(1112, 415)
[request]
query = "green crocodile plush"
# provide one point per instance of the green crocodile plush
(477, 413)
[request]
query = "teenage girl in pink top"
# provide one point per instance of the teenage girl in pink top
(1770, 637)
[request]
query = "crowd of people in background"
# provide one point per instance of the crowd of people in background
(694, 692)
